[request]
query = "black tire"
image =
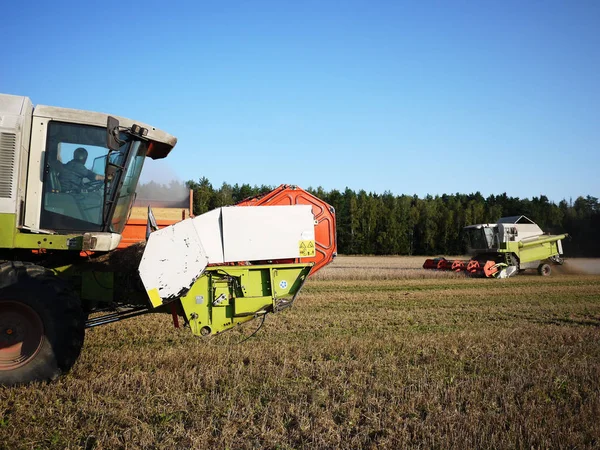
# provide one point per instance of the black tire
(544, 270)
(42, 325)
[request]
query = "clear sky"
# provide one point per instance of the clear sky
(414, 98)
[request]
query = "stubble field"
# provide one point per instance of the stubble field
(376, 353)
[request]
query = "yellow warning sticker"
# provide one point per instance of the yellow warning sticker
(155, 297)
(306, 248)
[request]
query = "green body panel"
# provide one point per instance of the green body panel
(509, 247)
(537, 250)
(11, 237)
(93, 287)
(97, 286)
(226, 296)
(542, 240)
(49, 241)
(8, 225)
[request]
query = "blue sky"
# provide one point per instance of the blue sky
(414, 98)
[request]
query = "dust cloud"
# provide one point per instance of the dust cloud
(159, 182)
(579, 266)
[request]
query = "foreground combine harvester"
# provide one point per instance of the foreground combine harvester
(67, 184)
(505, 248)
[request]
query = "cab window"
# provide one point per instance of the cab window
(73, 197)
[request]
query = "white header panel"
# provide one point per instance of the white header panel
(177, 255)
(265, 233)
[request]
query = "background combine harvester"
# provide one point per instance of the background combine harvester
(502, 249)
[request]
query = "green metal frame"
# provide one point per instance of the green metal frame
(12, 238)
(226, 296)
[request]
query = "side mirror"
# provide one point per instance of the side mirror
(112, 134)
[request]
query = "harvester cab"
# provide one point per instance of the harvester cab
(483, 237)
(67, 185)
(493, 237)
(69, 174)
(501, 249)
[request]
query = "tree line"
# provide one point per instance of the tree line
(389, 224)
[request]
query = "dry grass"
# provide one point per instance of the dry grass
(382, 268)
(362, 361)
(141, 212)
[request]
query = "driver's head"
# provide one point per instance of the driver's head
(80, 155)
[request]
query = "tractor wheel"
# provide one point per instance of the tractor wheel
(41, 324)
(544, 270)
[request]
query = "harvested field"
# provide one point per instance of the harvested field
(376, 353)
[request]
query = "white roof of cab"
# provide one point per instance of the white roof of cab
(165, 142)
(16, 104)
(516, 219)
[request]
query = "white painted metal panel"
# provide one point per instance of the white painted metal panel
(15, 118)
(24, 163)
(99, 119)
(177, 255)
(263, 233)
(9, 168)
(527, 231)
(35, 176)
(173, 259)
(208, 227)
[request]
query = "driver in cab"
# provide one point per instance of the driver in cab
(73, 173)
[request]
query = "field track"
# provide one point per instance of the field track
(376, 353)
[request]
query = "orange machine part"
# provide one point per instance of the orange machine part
(135, 231)
(459, 266)
(430, 264)
(325, 237)
(473, 266)
(490, 268)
